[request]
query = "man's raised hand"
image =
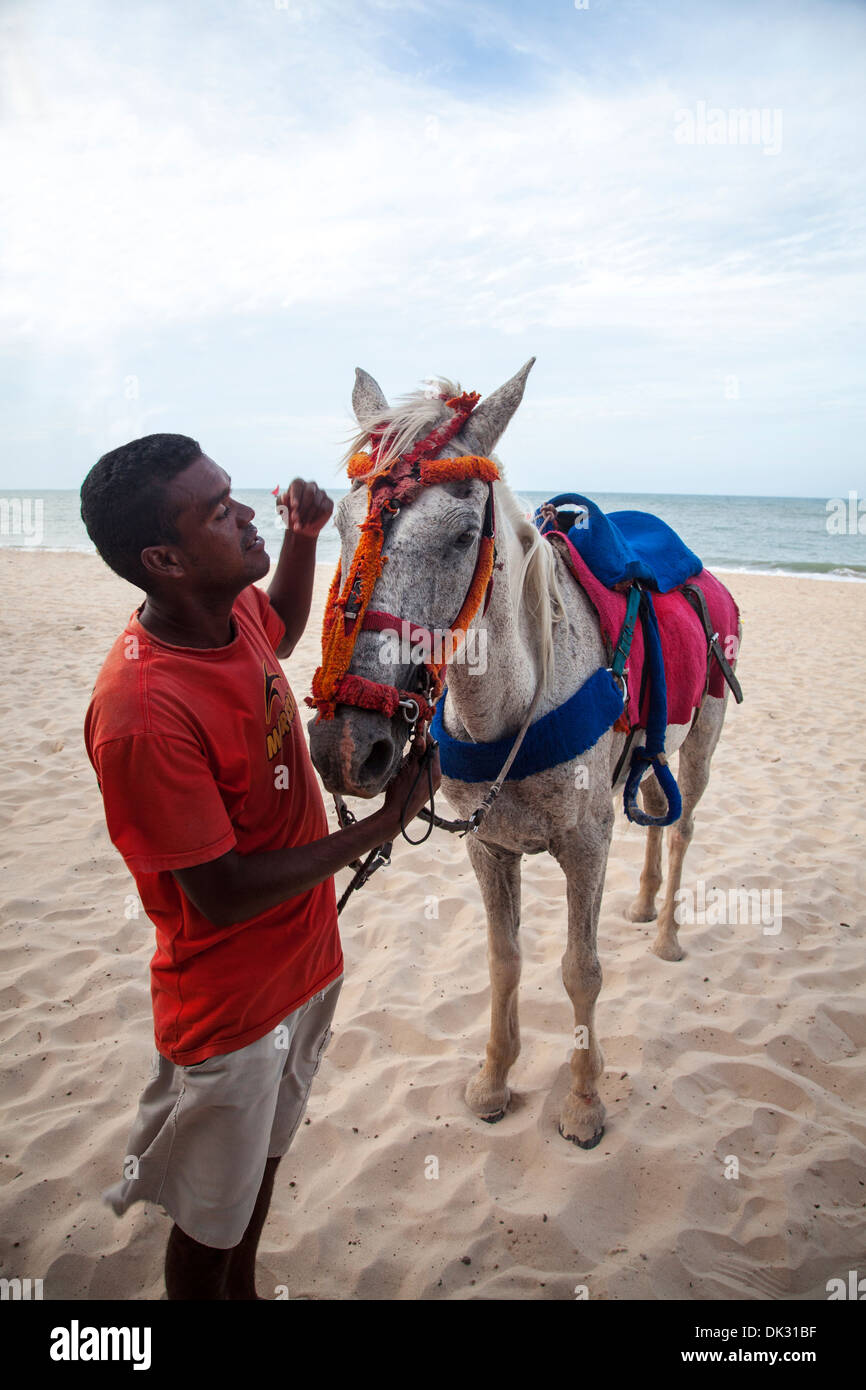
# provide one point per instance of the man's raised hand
(305, 508)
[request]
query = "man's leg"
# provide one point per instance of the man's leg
(194, 1271)
(241, 1282)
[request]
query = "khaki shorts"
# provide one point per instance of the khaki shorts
(204, 1132)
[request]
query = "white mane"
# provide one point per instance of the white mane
(536, 584)
(417, 413)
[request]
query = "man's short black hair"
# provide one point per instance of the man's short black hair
(123, 500)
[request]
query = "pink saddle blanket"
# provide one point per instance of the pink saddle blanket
(684, 643)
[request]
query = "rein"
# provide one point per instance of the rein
(380, 856)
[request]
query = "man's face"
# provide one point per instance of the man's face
(218, 546)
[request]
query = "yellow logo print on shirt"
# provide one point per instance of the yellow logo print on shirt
(284, 714)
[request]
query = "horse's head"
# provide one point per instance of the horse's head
(432, 550)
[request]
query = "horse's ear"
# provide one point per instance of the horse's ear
(489, 420)
(368, 398)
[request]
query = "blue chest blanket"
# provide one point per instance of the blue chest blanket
(555, 738)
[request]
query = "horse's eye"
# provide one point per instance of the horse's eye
(464, 540)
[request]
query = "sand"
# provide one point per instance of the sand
(748, 1049)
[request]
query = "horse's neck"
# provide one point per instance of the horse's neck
(489, 693)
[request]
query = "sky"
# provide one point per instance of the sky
(212, 212)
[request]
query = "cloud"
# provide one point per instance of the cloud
(142, 195)
(472, 170)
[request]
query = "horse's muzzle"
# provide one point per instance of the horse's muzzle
(357, 752)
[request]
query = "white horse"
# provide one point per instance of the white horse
(541, 629)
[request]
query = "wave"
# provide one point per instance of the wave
(794, 569)
(803, 569)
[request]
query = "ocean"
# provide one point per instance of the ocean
(816, 537)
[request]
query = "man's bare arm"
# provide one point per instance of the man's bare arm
(306, 509)
(235, 887)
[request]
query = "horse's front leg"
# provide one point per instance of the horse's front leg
(583, 857)
(498, 874)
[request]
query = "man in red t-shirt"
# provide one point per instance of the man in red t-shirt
(211, 798)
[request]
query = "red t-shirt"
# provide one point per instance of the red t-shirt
(199, 751)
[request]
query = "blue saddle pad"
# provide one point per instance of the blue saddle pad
(628, 545)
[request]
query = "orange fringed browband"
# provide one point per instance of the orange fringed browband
(347, 609)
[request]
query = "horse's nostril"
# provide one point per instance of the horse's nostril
(377, 760)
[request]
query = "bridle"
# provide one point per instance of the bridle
(347, 608)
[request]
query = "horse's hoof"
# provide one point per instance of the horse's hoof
(582, 1121)
(489, 1103)
(638, 912)
(667, 950)
(583, 1143)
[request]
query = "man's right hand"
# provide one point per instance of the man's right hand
(400, 793)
